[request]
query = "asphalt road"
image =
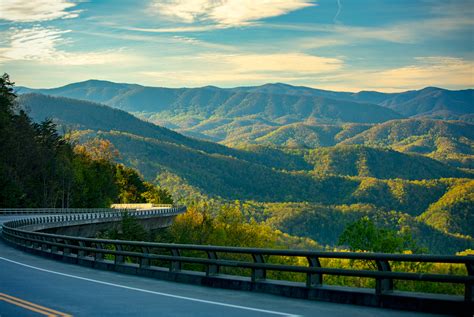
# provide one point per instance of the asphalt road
(34, 286)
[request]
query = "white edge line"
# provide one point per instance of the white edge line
(153, 292)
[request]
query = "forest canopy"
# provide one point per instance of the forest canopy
(41, 168)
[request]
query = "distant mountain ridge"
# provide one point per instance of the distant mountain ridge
(415, 102)
(249, 114)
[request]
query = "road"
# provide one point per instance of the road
(34, 286)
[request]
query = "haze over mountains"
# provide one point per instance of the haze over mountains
(325, 155)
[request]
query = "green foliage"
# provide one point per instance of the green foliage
(130, 229)
(223, 224)
(325, 223)
(363, 235)
(76, 114)
(453, 212)
(380, 163)
(447, 141)
(40, 168)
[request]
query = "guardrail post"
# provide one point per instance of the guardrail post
(175, 265)
(383, 285)
(119, 258)
(81, 253)
(27, 242)
(314, 279)
(54, 248)
(258, 274)
(469, 286)
(44, 245)
(212, 269)
(66, 250)
(99, 256)
(145, 261)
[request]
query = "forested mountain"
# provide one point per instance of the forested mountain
(299, 135)
(206, 102)
(365, 177)
(275, 114)
(431, 101)
(77, 114)
(453, 212)
(379, 163)
(448, 141)
(325, 223)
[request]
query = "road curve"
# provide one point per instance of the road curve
(33, 286)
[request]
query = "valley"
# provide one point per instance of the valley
(294, 154)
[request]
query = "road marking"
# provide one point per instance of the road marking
(32, 307)
(153, 292)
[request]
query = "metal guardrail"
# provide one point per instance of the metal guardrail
(16, 211)
(172, 256)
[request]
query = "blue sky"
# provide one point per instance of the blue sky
(346, 45)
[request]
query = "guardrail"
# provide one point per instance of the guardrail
(167, 261)
(16, 211)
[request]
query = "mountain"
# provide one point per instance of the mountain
(263, 175)
(453, 211)
(433, 102)
(380, 163)
(277, 114)
(447, 141)
(300, 135)
(206, 102)
(326, 223)
(83, 115)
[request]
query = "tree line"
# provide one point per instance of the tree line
(39, 167)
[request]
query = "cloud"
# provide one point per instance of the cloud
(41, 44)
(226, 13)
(230, 69)
(406, 32)
(441, 71)
(37, 10)
(429, 71)
(284, 62)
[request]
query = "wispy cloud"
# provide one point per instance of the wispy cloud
(227, 13)
(403, 32)
(228, 69)
(177, 29)
(428, 71)
(36, 10)
(41, 44)
(440, 71)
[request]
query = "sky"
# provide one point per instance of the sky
(344, 45)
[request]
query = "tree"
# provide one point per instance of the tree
(156, 195)
(364, 235)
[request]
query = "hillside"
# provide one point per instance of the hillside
(325, 224)
(271, 114)
(363, 161)
(448, 141)
(202, 103)
(256, 173)
(300, 135)
(433, 102)
(221, 115)
(82, 115)
(453, 212)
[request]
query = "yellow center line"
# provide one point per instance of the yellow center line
(27, 307)
(33, 307)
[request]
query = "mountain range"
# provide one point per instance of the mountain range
(402, 172)
(232, 115)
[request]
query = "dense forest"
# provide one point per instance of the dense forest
(41, 168)
(299, 196)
